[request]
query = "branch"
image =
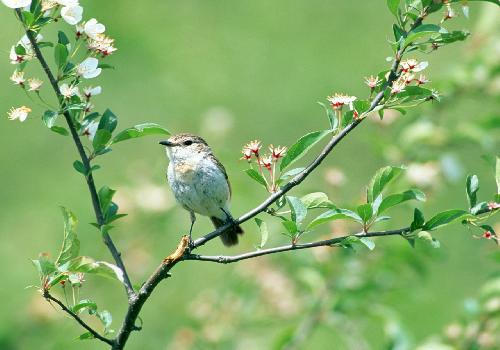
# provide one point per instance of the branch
(162, 271)
(224, 259)
(393, 75)
(96, 335)
(85, 160)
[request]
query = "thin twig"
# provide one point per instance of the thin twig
(225, 259)
(85, 160)
(96, 335)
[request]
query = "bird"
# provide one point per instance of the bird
(200, 183)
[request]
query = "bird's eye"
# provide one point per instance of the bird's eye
(188, 142)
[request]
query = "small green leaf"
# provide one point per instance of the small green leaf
(298, 209)
(61, 55)
(300, 148)
(71, 245)
(78, 165)
(290, 226)
(62, 38)
(289, 174)
(398, 32)
(60, 130)
(101, 139)
(88, 265)
(381, 179)
(395, 199)
(472, 186)
(365, 212)
(422, 31)
(316, 200)
(393, 6)
(106, 319)
(105, 198)
(479, 208)
(367, 242)
(264, 233)
(108, 121)
(84, 304)
(44, 266)
(445, 218)
(49, 118)
(418, 220)
(28, 18)
(140, 130)
(254, 174)
(334, 214)
(332, 119)
(86, 336)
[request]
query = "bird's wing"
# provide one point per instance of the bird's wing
(221, 167)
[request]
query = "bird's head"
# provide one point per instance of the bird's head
(185, 146)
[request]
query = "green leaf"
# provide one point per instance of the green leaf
(365, 212)
(254, 174)
(300, 148)
(86, 336)
(418, 220)
(316, 200)
(61, 55)
(445, 218)
(381, 179)
(44, 266)
(298, 209)
(108, 121)
(398, 32)
(84, 304)
(472, 186)
(60, 130)
(289, 174)
(332, 119)
(101, 139)
(479, 208)
(422, 31)
(28, 18)
(393, 6)
(88, 265)
(140, 130)
(367, 242)
(395, 199)
(62, 38)
(105, 198)
(427, 237)
(106, 319)
(264, 233)
(334, 214)
(49, 118)
(78, 165)
(71, 245)
(290, 226)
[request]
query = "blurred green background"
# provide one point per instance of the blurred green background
(233, 71)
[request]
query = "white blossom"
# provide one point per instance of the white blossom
(16, 4)
(34, 84)
(339, 100)
(91, 129)
(68, 91)
(18, 77)
(72, 14)
(93, 28)
(91, 91)
(88, 68)
(20, 113)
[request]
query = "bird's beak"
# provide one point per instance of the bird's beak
(167, 143)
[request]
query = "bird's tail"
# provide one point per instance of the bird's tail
(230, 236)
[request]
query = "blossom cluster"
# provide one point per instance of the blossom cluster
(407, 75)
(251, 151)
(90, 33)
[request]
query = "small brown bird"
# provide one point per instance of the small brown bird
(200, 183)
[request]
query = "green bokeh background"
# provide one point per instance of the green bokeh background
(230, 71)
